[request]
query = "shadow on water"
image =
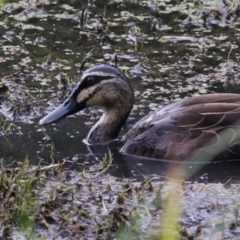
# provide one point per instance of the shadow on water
(211, 172)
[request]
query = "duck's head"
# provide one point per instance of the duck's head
(102, 85)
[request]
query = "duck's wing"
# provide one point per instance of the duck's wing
(207, 123)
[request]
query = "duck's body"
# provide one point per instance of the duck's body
(202, 124)
(175, 132)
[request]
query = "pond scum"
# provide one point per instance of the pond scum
(52, 202)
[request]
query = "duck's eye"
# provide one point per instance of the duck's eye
(90, 80)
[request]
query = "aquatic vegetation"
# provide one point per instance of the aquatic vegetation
(15, 99)
(54, 202)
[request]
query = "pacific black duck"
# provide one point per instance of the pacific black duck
(174, 132)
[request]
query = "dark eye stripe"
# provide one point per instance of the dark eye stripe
(84, 83)
(96, 80)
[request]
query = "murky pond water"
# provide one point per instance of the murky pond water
(167, 53)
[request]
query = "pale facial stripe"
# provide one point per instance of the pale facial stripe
(85, 94)
(101, 74)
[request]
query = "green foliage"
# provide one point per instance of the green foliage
(3, 2)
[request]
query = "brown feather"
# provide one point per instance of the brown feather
(179, 130)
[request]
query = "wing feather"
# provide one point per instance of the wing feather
(180, 129)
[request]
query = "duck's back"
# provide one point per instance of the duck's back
(187, 128)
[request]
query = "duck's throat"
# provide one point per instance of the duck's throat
(108, 127)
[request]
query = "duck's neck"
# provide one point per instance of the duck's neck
(109, 125)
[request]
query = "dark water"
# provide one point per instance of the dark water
(161, 72)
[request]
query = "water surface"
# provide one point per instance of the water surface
(40, 42)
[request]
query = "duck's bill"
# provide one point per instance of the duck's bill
(69, 107)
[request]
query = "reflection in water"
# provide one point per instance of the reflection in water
(142, 167)
(64, 141)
